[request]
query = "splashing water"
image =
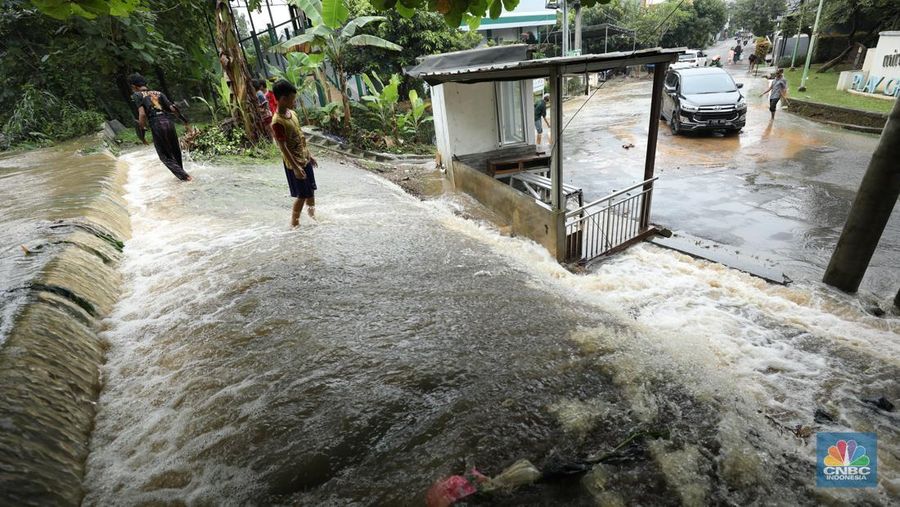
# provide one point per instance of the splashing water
(369, 353)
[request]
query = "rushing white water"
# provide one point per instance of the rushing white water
(358, 358)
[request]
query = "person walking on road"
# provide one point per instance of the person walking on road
(154, 107)
(777, 90)
(540, 113)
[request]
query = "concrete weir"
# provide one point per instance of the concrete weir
(50, 359)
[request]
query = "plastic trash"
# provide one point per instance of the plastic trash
(447, 491)
(521, 472)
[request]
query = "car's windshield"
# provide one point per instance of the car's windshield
(687, 58)
(707, 83)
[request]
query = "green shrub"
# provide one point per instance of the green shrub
(785, 61)
(40, 117)
(215, 141)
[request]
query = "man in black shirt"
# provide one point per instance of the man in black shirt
(155, 107)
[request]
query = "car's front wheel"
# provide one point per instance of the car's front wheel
(674, 123)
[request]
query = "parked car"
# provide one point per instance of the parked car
(704, 98)
(690, 58)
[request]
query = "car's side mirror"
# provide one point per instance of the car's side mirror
(740, 85)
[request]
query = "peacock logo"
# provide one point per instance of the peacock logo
(846, 460)
(846, 453)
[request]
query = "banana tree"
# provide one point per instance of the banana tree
(235, 67)
(297, 71)
(334, 34)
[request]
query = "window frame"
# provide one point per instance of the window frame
(499, 109)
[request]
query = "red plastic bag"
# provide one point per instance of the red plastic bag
(447, 491)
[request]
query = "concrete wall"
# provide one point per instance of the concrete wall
(525, 216)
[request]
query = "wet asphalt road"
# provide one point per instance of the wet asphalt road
(780, 189)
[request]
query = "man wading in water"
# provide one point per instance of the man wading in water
(298, 163)
(157, 108)
(778, 89)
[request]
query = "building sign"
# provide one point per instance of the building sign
(891, 87)
(880, 74)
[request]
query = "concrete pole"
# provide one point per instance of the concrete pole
(558, 199)
(811, 48)
(565, 28)
(578, 25)
(799, 32)
(606, 39)
(871, 209)
(556, 161)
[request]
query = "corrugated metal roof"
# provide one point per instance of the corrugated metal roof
(523, 69)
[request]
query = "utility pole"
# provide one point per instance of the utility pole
(869, 214)
(565, 28)
(578, 26)
(810, 49)
(799, 32)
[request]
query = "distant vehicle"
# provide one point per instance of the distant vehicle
(707, 98)
(690, 58)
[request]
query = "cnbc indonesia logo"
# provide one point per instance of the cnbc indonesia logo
(846, 460)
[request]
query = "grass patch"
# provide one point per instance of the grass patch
(822, 88)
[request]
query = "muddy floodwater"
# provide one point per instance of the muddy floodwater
(392, 343)
(780, 189)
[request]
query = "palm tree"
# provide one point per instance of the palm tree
(333, 34)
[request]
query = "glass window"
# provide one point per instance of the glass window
(708, 83)
(511, 112)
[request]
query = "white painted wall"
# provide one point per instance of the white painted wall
(471, 111)
(465, 118)
(874, 69)
(888, 44)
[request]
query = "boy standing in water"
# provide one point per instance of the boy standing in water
(156, 108)
(298, 163)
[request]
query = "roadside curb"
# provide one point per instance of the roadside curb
(316, 137)
(844, 117)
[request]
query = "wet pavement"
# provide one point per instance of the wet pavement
(780, 189)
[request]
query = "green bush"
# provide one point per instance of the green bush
(40, 117)
(785, 61)
(214, 141)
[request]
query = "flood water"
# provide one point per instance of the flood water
(44, 194)
(780, 190)
(391, 343)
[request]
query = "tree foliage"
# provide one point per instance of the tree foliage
(84, 60)
(87, 9)
(334, 34)
(758, 16)
(866, 17)
(670, 24)
(423, 33)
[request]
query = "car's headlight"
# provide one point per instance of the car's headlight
(689, 108)
(741, 105)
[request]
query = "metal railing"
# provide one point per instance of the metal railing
(604, 224)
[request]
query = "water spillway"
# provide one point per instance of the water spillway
(391, 343)
(64, 223)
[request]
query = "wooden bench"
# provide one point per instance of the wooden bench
(541, 187)
(518, 164)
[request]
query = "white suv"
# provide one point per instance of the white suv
(690, 58)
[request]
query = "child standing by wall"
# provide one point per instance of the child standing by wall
(298, 163)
